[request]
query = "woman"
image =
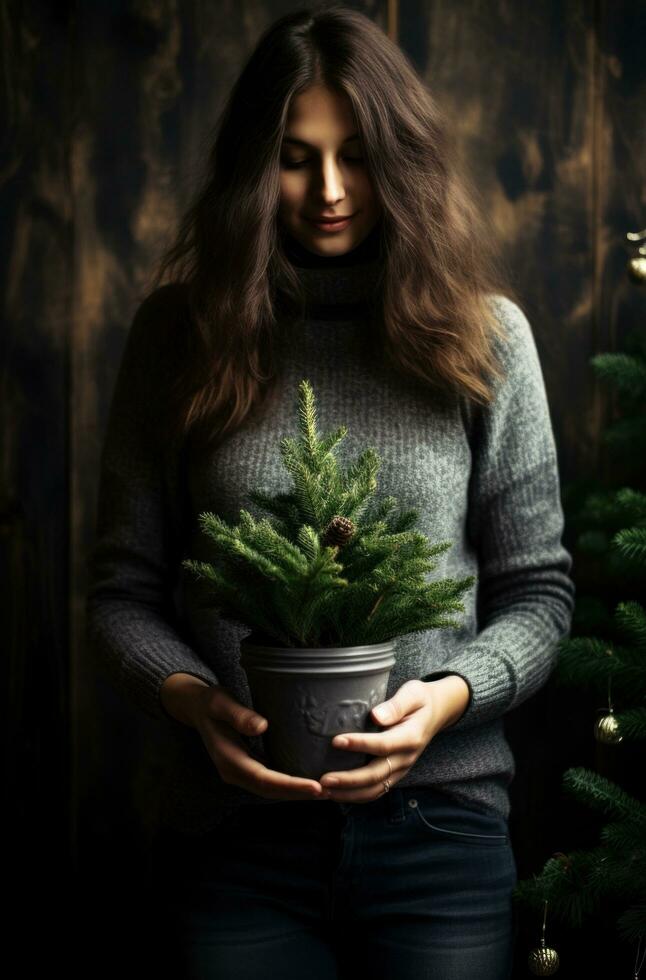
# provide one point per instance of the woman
(409, 336)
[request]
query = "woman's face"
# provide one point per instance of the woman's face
(322, 173)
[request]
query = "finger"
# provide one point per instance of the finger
(404, 737)
(224, 707)
(408, 698)
(366, 795)
(365, 777)
(249, 773)
(275, 784)
(363, 794)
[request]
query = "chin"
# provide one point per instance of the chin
(327, 241)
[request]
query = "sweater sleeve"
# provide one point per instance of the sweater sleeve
(133, 629)
(525, 596)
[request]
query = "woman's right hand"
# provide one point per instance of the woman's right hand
(221, 722)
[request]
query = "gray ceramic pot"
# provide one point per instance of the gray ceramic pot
(309, 695)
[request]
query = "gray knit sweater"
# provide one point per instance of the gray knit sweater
(485, 479)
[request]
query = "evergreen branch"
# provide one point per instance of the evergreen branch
(323, 575)
(290, 453)
(624, 372)
(361, 561)
(631, 503)
(445, 594)
(387, 617)
(588, 661)
(202, 570)
(233, 603)
(307, 418)
(328, 443)
(626, 839)
(631, 621)
(258, 561)
(614, 508)
(631, 541)
(281, 505)
(631, 924)
(362, 471)
(632, 723)
(420, 609)
(357, 486)
(610, 528)
(266, 539)
(404, 520)
(308, 541)
(572, 888)
(308, 495)
(329, 481)
(371, 586)
(287, 612)
(216, 528)
(603, 795)
(380, 511)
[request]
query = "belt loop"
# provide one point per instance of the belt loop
(396, 810)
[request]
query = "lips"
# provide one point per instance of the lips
(329, 226)
(337, 219)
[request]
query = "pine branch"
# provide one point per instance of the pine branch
(631, 924)
(238, 605)
(610, 528)
(281, 505)
(307, 413)
(632, 543)
(631, 620)
(632, 723)
(614, 509)
(626, 838)
(625, 373)
(589, 662)
(570, 885)
(603, 795)
(330, 441)
(368, 587)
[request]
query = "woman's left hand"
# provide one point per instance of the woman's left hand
(417, 712)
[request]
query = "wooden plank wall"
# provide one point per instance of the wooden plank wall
(108, 108)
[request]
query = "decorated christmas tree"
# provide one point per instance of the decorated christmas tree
(606, 655)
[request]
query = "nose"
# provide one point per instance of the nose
(331, 180)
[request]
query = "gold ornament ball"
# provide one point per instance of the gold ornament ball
(637, 269)
(543, 962)
(606, 730)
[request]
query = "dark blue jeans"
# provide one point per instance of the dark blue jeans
(411, 886)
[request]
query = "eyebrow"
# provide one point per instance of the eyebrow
(310, 146)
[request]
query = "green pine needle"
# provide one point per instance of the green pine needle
(368, 589)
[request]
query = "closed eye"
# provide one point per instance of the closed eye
(297, 164)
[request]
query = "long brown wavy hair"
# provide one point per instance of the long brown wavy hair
(440, 257)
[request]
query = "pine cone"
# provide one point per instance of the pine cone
(338, 532)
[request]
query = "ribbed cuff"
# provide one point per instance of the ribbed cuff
(144, 680)
(438, 675)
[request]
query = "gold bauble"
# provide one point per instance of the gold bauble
(637, 269)
(543, 962)
(606, 730)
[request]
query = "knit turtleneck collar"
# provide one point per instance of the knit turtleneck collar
(338, 287)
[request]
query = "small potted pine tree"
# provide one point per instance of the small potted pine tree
(325, 588)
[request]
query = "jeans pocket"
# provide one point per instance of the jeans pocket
(458, 824)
